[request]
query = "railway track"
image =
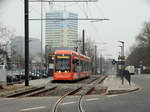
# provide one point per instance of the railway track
(59, 89)
(55, 107)
(62, 97)
(21, 93)
(31, 92)
(85, 87)
(78, 91)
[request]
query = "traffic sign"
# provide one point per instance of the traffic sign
(114, 62)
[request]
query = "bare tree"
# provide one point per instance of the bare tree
(140, 52)
(6, 35)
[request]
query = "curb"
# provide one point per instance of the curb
(113, 92)
(3, 94)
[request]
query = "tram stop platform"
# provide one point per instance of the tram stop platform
(115, 85)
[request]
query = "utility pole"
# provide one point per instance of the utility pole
(83, 42)
(101, 64)
(41, 34)
(122, 48)
(95, 70)
(26, 24)
(121, 54)
(122, 61)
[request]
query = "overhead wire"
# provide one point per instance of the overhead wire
(96, 30)
(84, 12)
(88, 9)
(31, 8)
(99, 9)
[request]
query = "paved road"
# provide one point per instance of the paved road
(130, 102)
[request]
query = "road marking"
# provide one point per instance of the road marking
(5, 99)
(35, 108)
(92, 99)
(67, 103)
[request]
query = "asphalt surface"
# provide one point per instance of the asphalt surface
(130, 102)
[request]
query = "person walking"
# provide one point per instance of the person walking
(127, 75)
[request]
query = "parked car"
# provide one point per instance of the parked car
(44, 75)
(9, 79)
(32, 76)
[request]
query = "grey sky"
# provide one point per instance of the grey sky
(126, 20)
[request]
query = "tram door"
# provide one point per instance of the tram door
(51, 65)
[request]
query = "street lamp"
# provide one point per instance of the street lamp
(122, 52)
(121, 62)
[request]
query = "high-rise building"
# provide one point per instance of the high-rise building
(61, 33)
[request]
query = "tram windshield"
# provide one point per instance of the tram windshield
(62, 63)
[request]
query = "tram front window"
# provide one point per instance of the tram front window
(62, 63)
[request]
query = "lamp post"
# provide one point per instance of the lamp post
(122, 62)
(122, 49)
(101, 64)
(95, 70)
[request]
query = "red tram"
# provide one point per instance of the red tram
(70, 65)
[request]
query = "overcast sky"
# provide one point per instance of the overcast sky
(126, 20)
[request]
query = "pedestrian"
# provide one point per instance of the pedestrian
(127, 75)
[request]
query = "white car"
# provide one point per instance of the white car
(131, 69)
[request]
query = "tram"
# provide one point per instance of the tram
(70, 65)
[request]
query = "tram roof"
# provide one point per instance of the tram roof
(71, 52)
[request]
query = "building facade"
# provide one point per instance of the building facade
(17, 46)
(61, 33)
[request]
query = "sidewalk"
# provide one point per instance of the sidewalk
(20, 87)
(115, 86)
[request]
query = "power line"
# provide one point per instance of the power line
(99, 9)
(31, 8)
(64, 1)
(82, 10)
(63, 19)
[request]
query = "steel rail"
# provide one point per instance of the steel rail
(80, 104)
(40, 91)
(62, 97)
(18, 94)
(95, 82)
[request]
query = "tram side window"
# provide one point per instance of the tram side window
(75, 65)
(84, 66)
(80, 66)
